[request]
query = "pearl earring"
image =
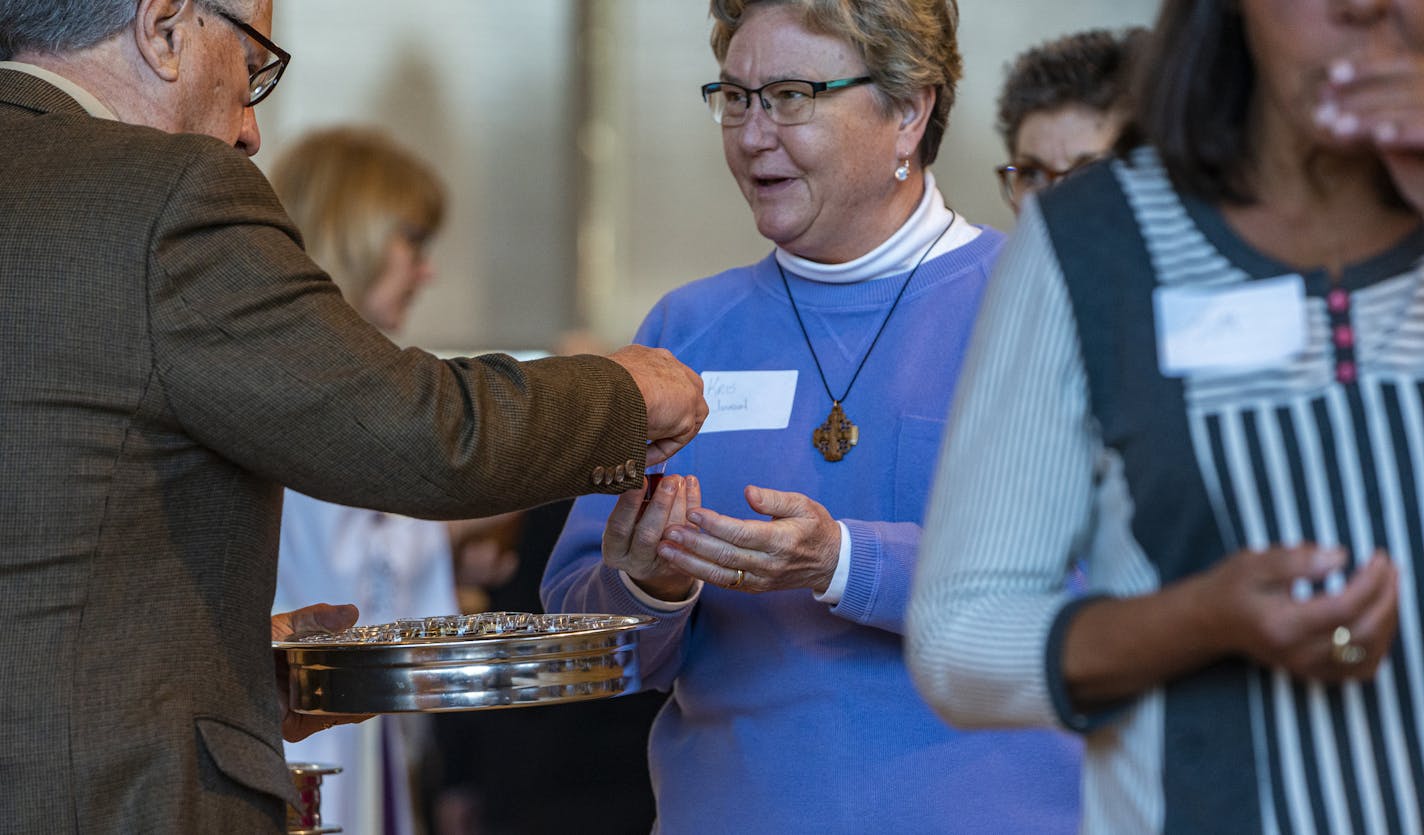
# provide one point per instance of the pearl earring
(903, 172)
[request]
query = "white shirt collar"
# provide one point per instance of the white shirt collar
(901, 251)
(86, 99)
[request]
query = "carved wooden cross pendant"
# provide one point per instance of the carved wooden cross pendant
(836, 436)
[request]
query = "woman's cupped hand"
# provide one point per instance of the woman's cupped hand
(797, 548)
(636, 526)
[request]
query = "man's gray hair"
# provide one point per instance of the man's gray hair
(60, 26)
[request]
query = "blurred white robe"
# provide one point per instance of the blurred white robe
(391, 567)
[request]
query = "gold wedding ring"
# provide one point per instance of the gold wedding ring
(1343, 649)
(741, 575)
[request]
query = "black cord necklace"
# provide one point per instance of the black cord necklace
(837, 435)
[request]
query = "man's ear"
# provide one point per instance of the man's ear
(160, 31)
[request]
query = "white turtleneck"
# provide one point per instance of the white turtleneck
(901, 251)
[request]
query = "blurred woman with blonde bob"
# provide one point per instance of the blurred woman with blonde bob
(366, 208)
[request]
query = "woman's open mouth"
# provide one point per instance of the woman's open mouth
(771, 184)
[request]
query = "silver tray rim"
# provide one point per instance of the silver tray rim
(627, 623)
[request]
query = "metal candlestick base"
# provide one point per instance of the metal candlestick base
(305, 817)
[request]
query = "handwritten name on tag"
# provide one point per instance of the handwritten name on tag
(740, 400)
(1259, 324)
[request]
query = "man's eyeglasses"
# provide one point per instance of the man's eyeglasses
(261, 82)
(789, 102)
(1017, 181)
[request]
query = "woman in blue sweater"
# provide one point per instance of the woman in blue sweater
(829, 366)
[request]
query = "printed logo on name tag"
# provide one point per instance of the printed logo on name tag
(1258, 324)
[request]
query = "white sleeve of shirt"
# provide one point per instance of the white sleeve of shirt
(832, 595)
(655, 603)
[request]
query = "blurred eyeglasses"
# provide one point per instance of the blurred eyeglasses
(262, 81)
(1018, 181)
(789, 102)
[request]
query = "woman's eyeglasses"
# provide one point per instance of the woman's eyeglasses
(788, 102)
(1017, 181)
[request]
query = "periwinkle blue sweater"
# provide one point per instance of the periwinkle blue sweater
(788, 715)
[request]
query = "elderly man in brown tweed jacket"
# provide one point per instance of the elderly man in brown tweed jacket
(168, 359)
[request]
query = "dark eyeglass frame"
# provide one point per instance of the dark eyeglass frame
(257, 90)
(1006, 177)
(817, 87)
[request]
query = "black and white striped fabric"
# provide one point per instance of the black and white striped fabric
(1290, 455)
(1074, 442)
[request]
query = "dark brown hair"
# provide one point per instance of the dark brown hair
(1194, 89)
(1089, 69)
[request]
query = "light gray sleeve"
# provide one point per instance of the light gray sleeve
(1013, 499)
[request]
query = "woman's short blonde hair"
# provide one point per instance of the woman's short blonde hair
(907, 45)
(350, 191)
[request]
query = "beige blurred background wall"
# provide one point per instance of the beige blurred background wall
(585, 176)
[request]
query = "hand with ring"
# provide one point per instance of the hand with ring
(1325, 637)
(797, 549)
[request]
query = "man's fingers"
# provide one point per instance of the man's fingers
(299, 726)
(321, 617)
(661, 449)
(672, 393)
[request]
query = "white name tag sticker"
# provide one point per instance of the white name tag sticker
(739, 400)
(1259, 324)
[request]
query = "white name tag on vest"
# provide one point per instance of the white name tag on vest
(740, 400)
(1259, 324)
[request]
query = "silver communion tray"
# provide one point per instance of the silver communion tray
(464, 662)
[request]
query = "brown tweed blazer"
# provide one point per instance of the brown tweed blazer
(168, 359)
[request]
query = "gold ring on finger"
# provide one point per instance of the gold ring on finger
(741, 575)
(1343, 649)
